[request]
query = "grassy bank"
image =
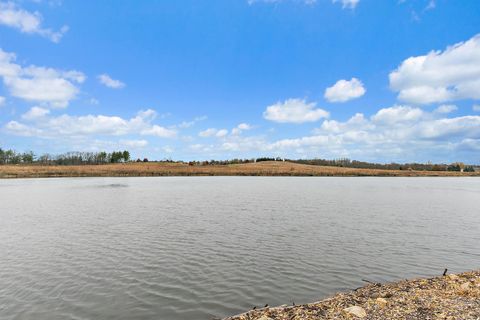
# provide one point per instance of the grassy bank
(446, 297)
(269, 168)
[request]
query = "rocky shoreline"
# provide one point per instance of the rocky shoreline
(453, 296)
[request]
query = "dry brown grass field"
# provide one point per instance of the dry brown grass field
(270, 168)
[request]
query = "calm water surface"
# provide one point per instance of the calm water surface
(198, 248)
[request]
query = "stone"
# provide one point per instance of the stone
(264, 318)
(356, 311)
(465, 286)
(381, 302)
(452, 277)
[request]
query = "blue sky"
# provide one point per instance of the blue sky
(368, 80)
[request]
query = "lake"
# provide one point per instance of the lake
(181, 248)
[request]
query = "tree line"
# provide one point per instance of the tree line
(69, 158)
(79, 158)
(347, 163)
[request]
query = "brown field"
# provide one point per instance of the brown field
(270, 168)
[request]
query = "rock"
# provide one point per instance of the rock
(264, 318)
(381, 302)
(356, 311)
(465, 286)
(452, 277)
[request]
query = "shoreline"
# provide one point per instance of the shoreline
(453, 296)
(159, 169)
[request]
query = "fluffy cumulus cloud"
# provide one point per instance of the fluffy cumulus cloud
(347, 4)
(35, 113)
(134, 143)
(394, 133)
(212, 132)
(223, 133)
(55, 88)
(188, 124)
(344, 90)
(107, 81)
(37, 122)
(240, 128)
(27, 22)
(446, 108)
(440, 76)
(159, 131)
(397, 114)
(398, 133)
(294, 111)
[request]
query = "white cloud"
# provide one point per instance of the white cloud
(211, 132)
(53, 87)
(45, 126)
(221, 133)
(106, 80)
(27, 22)
(476, 107)
(134, 143)
(397, 133)
(244, 126)
(391, 133)
(20, 129)
(2, 101)
(446, 108)
(294, 111)
(344, 90)
(35, 113)
(347, 4)
(208, 133)
(241, 127)
(440, 76)
(397, 114)
(159, 131)
(188, 124)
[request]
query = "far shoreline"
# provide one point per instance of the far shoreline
(169, 169)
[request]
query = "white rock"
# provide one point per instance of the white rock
(465, 286)
(381, 302)
(356, 311)
(452, 276)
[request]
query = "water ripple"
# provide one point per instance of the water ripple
(195, 248)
